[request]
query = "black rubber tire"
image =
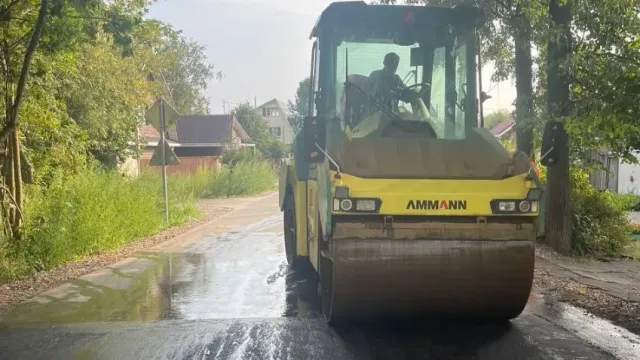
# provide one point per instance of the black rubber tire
(290, 244)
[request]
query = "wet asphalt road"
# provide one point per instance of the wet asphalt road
(228, 295)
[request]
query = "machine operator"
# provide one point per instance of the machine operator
(386, 86)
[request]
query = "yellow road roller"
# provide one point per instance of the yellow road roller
(396, 196)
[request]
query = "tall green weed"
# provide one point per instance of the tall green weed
(97, 211)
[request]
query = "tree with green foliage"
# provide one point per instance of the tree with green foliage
(32, 31)
(300, 107)
(253, 123)
(178, 63)
(257, 128)
(496, 118)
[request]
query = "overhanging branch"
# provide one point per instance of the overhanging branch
(12, 121)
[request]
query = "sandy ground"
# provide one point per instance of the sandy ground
(606, 288)
(18, 291)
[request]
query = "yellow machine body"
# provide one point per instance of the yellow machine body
(397, 220)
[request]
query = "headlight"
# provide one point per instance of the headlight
(524, 206)
(514, 206)
(365, 205)
(346, 205)
(507, 206)
(355, 205)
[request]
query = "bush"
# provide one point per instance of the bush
(97, 211)
(246, 175)
(630, 202)
(274, 149)
(245, 178)
(94, 212)
(231, 156)
(600, 222)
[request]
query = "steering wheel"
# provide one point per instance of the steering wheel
(423, 88)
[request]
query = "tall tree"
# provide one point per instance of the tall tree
(178, 63)
(254, 124)
(558, 224)
(30, 27)
(299, 108)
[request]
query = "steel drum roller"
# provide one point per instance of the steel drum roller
(369, 278)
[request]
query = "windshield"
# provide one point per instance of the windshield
(394, 85)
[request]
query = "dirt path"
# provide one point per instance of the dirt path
(609, 289)
(211, 210)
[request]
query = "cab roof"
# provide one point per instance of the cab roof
(347, 12)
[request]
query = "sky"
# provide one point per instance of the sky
(262, 47)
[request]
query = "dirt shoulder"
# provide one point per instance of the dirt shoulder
(21, 290)
(606, 288)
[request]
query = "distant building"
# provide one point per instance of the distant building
(275, 112)
(198, 141)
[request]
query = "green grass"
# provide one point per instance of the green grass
(633, 250)
(96, 212)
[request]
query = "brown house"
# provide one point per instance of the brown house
(198, 141)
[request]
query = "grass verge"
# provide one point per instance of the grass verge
(98, 211)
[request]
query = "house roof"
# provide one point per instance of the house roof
(502, 128)
(208, 129)
(281, 120)
(149, 133)
(277, 102)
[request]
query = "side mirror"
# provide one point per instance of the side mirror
(553, 139)
(417, 56)
(484, 97)
(314, 136)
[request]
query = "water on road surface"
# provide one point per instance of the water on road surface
(228, 294)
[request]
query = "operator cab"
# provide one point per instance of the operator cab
(432, 81)
(413, 117)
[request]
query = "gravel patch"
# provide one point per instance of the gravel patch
(15, 292)
(591, 297)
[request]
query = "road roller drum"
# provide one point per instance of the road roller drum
(399, 275)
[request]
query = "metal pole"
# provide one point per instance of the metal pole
(164, 162)
(481, 105)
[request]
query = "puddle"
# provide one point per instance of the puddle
(597, 331)
(220, 277)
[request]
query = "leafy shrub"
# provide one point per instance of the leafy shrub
(246, 175)
(94, 212)
(231, 156)
(600, 222)
(245, 178)
(274, 149)
(630, 202)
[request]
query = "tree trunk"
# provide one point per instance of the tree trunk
(9, 134)
(558, 221)
(17, 184)
(14, 109)
(524, 84)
